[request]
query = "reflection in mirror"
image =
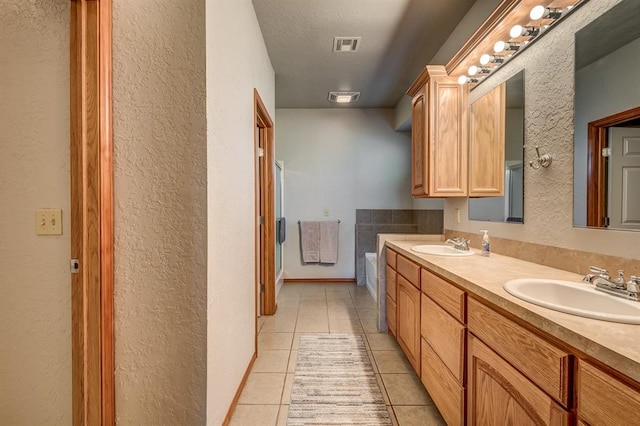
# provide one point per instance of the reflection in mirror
(607, 120)
(508, 208)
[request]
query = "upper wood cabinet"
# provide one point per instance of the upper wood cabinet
(486, 144)
(438, 135)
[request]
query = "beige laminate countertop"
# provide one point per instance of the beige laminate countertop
(614, 344)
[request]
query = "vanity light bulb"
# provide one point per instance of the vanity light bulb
(499, 46)
(473, 70)
(516, 31)
(537, 12)
(485, 59)
(462, 79)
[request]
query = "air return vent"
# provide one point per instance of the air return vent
(344, 97)
(346, 44)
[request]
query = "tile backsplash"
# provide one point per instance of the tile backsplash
(371, 222)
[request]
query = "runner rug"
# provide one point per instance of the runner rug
(334, 383)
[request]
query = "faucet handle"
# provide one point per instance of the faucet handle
(633, 285)
(602, 272)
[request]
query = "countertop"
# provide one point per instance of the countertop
(614, 344)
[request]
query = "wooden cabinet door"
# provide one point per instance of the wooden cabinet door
(418, 146)
(447, 135)
(408, 326)
(486, 144)
(498, 394)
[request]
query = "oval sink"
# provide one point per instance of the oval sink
(440, 250)
(575, 298)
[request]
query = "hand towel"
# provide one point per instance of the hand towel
(329, 242)
(310, 241)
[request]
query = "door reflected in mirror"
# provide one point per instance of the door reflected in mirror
(607, 121)
(510, 207)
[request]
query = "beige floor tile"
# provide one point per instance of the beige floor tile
(385, 396)
(342, 313)
(279, 325)
(306, 325)
(312, 311)
(425, 415)
(270, 341)
(392, 362)
(284, 311)
(286, 393)
(345, 326)
(392, 415)
(405, 389)
(370, 325)
(288, 303)
(335, 303)
(364, 302)
(260, 323)
(366, 313)
(282, 415)
(373, 362)
(258, 415)
(271, 361)
(293, 359)
(382, 342)
(262, 389)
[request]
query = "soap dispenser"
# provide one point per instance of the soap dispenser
(486, 249)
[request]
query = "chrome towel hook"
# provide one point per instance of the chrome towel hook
(543, 160)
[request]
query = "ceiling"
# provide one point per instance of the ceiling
(399, 37)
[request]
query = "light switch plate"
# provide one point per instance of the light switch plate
(49, 222)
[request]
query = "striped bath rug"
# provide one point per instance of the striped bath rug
(334, 383)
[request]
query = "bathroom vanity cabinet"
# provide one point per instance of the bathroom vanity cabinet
(391, 275)
(482, 364)
(438, 135)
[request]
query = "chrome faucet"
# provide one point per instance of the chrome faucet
(459, 243)
(616, 287)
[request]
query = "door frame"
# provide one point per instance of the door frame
(264, 187)
(597, 139)
(91, 150)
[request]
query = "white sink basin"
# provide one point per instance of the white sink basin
(440, 250)
(575, 298)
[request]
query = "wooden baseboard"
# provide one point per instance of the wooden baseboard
(234, 403)
(319, 280)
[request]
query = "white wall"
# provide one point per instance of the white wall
(600, 93)
(340, 160)
(159, 132)
(549, 93)
(237, 61)
(35, 284)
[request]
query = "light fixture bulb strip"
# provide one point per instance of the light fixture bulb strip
(483, 60)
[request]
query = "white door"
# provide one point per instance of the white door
(624, 178)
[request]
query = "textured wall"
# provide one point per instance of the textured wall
(160, 211)
(340, 160)
(237, 61)
(35, 293)
(549, 93)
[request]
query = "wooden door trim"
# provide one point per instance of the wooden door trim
(265, 123)
(91, 147)
(596, 163)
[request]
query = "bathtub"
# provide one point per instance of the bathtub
(371, 274)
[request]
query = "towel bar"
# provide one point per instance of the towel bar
(301, 221)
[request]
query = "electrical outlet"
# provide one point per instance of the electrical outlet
(457, 212)
(49, 222)
(326, 212)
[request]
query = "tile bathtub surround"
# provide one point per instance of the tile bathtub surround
(336, 308)
(371, 222)
(575, 261)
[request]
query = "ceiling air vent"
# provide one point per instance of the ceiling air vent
(344, 97)
(346, 44)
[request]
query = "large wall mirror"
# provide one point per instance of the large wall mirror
(508, 208)
(607, 120)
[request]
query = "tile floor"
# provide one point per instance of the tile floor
(327, 308)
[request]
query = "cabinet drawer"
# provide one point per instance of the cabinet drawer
(391, 283)
(498, 394)
(391, 258)
(445, 391)
(391, 315)
(445, 294)
(445, 335)
(409, 270)
(545, 364)
(604, 400)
